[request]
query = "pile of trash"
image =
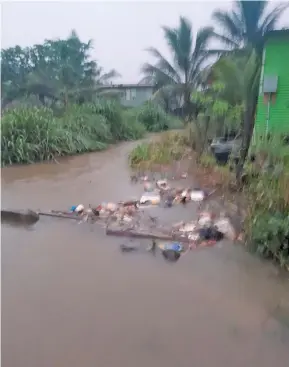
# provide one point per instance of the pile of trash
(207, 230)
(173, 242)
(155, 194)
(122, 212)
(182, 237)
(162, 193)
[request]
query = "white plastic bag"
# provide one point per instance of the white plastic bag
(197, 195)
(150, 198)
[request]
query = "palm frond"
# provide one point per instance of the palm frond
(164, 64)
(272, 18)
(251, 13)
(231, 30)
(204, 36)
(158, 74)
(247, 23)
(168, 90)
(226, 40)
(179, 41)
(107, 77)
(147, 80)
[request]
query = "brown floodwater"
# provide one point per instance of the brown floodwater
(71, 299)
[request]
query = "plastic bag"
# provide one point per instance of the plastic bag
(197, 195)
(224, 226)
(150, 198)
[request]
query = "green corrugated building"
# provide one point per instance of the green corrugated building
(272, 115)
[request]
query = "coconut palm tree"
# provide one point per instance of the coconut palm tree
(246, 24)
(180, 75)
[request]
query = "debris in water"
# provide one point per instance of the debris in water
(148, 187)
(224, 226)
(151, 198)
(162, 185)
(171, 255)
(127, 248)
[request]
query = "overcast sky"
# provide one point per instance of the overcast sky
(120, 30)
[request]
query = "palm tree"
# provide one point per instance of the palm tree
(181, 75)
(246, 24)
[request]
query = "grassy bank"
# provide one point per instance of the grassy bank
(264, 197)
(31, 134)
(170, 147)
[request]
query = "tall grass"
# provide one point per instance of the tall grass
(170, 147)
(267, 222)
(31, 134)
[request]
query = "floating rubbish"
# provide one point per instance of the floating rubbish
(210, 233)
(197, 195)
(184, 175)
(162, 185)
(79, 209)
(150, 198)
(194, 237)
(127, 248)
(205, 219)
(189, 227)
(224, 226)
(175, 246)
(171, 255)
(148, 187)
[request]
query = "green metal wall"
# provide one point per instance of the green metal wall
(276, 62)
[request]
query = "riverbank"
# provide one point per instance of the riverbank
(260, 211)
(31, 134)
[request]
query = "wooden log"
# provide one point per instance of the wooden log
(19, 217)
(29, 217)
(60, 215)
(147, 235)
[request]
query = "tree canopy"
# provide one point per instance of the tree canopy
(57, 70)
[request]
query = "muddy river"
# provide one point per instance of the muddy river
(71, 299)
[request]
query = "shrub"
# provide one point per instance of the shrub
(267, 222)
(131, 128)
(153, 117)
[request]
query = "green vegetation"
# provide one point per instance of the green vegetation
(221, 99)
(38, 133)
(54, 104)
(268, 212)
(170, 147)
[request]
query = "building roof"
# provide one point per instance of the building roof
(277, 33)
(124, 86)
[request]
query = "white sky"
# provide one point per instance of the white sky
(120, 30)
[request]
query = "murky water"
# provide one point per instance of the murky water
(70, 298)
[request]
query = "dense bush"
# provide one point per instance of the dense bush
(31, 134)
(154, 118)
